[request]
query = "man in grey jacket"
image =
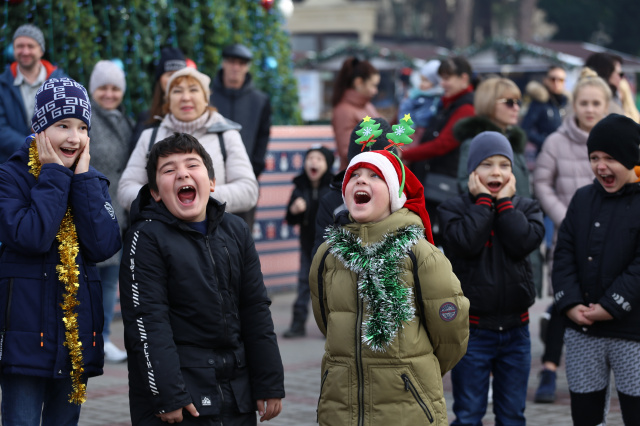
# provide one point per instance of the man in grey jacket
(237, 99)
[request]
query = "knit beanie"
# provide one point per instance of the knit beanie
(381, 142)
(326, 152)
(618, 136)
(430, 71)
(107, 72)
(57, 99)
(31, 31)
(171, 59)
(387, 165)
(203, 79)
(485, 145)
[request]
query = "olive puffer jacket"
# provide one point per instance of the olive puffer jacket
(402, 383)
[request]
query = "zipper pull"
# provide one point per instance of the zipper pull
(406, 382)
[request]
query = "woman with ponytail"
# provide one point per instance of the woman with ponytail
(353, 89)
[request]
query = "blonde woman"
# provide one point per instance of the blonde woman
(497, 104)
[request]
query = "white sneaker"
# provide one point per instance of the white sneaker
(112, 354)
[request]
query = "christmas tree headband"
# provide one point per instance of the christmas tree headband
(370, 131)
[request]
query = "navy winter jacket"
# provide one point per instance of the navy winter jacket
(31, 210)
(195, 310)
(597, 259)
(14, 126)
(488, 243)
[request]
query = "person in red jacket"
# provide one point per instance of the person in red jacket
(439, 150)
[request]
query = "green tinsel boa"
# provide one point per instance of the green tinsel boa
(388, 303)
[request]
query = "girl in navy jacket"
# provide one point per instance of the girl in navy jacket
(56, 222)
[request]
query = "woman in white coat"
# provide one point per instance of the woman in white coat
(187, 110)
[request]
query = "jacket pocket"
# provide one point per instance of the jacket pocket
(397, 397)
(324, 377)
(410, 387)
(334, 404)
(198, 372)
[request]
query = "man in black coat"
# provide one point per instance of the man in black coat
(236, 98)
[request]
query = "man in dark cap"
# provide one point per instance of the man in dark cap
(18, 86)
(236, 98)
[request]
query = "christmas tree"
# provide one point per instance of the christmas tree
(401, 132)
(78, 33)
(369, 132)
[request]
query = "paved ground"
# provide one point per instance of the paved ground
(108, 404)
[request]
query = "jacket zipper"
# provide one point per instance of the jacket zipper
(224, 313)
(233, 302)
(324, 377)
(6, 317)
(359, 367)
(408, 386)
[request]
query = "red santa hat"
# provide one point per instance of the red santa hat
(405, 190)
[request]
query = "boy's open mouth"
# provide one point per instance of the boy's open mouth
(313, 170)
(186, 194)
(69, 152)
(361, 197)
(494, 185)
(608, 179)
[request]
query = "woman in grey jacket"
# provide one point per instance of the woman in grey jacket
(561, 168)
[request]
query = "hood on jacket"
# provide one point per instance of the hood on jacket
(570, 130)
(538, 92)
(467, 128)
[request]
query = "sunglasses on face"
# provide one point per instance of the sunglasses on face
(558, 79)
(510, 103)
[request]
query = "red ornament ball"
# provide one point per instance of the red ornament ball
(267, 4)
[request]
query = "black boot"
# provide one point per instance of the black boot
(296, 330)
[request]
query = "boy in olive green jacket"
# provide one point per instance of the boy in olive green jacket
(388, 302)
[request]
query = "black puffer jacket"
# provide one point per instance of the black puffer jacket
(488, 244)
(195, 308)
(597, 259)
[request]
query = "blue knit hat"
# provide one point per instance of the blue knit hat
(485, 145)
(60, 98)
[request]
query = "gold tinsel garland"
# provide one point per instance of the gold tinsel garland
(68, 273)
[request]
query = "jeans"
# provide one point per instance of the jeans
(301, 305)
(506, 355)
(26, 398)
(109, 279)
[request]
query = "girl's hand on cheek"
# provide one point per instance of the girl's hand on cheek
(508, 190)
(46, 153)
(83, 160)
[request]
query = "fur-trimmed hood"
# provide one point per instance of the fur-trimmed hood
(467, 128)
(538, 92)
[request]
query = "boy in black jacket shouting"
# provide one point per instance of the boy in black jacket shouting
(596, 276)
(198, 328)
(489, 233)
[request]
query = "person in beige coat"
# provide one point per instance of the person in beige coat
(187, 111)
(561, 168)
(388, 302)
